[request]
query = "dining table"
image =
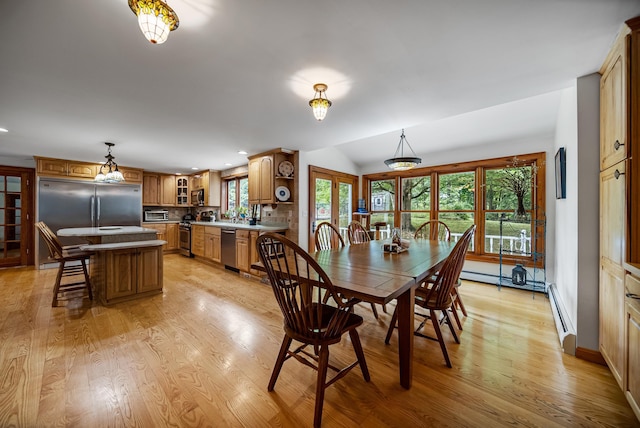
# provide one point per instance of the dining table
(367, 272)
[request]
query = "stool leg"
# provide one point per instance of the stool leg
(56, 287)
(86, 279)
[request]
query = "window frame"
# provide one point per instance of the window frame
(478, 167)
(225, 190)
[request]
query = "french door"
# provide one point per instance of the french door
(16, 216)
(333, 197)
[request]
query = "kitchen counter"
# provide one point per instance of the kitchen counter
(109, 234)
(229, 225)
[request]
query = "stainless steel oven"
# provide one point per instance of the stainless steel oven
(185, 239)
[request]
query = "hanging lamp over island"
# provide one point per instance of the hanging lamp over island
(112, 175)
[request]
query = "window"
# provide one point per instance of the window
(237, 193)
(503, 197)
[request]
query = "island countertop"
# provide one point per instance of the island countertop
(104, 231)
(229, 225)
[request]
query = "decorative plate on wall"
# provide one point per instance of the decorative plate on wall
(282, 193)
(285, 168)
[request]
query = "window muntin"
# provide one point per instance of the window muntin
(479, 192)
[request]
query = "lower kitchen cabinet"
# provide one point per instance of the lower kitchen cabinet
(128, 273)
(212, 243)
(169, 232)
(242, 250)
(632, 315)
(197, 240)
(254, 257)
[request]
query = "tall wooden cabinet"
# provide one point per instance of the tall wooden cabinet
(620, 209)
(268, 172)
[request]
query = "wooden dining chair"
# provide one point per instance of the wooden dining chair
(326, 237)
(439, 231)
(298, 284)
(72, 262)
(357, 234)
(437, 296)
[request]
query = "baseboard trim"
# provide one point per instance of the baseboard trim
(590, 355)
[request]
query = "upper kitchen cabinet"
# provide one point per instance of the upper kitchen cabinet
(49, 167)
(211, 183)
(182, 191)
(613, 103)
(168, 195)
(150, 189)
(271, 177)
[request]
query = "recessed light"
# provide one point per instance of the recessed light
(4, 130)
(195, 168)
(227, 164)
(242, 152)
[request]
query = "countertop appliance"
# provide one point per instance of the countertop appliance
(228, 247)
(65, 203)
(156, 215)
(188, 217)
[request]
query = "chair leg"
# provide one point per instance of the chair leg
(459, 301)
(56, 287)
(375, 311)
(286, 342)
(323, 363)
(87, 280)
(445, 314)
(357, 346)
(392, 325)
(436, 327)
(454, 311)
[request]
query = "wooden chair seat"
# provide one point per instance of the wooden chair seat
(72, 263)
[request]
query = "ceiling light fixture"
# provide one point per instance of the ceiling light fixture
(4, 130)
(400, 162)
(155, 18)
(113, 176)
(320, 105)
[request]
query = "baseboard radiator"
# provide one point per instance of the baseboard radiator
(566, 332)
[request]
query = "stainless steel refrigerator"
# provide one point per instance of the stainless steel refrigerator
(65, 203)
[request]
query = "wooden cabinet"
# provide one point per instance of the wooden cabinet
(211, 183)
(620, 210)
(197, 240)
(212, 243)
(253, 251)
(265, 177)
(80, 170)
(172, 236)
(150, 189)
(632, 319)
(613, 215)
(168, 190)
(182, 191)
(131, 271)
(242, 250)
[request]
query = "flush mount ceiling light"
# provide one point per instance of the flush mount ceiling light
(400, 162)
(113, 175)
(320, 105)
(156, 19)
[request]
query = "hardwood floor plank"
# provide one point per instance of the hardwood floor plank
(201, 354)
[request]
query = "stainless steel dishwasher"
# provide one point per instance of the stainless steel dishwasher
(228, 247)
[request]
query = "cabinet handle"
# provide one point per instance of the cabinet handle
(617, 145)
(633, 296)
(617, 174)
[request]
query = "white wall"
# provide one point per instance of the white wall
(577, 216)
(329, 158)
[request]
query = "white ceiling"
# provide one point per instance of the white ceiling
(237, 75)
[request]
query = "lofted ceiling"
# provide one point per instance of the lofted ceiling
(238, 75)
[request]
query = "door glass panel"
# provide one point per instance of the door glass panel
(17, 217)
(345, 207)
(13, 184)
(323, 201)
(2, 203)
(2, 183)
(2, 215)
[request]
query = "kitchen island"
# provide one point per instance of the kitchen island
(127, 264)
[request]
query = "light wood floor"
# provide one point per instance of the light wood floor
(201, 354)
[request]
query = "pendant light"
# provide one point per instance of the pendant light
(400, 162)
(113, 175)
(155, 18)
(320, 105)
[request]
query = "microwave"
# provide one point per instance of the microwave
(156, 215)
(197, 197)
